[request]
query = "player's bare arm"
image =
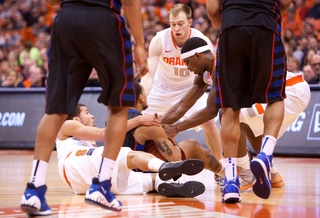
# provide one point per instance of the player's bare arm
(132, 11)
(284, 5)
(187, 101)
(203, 115)
(213, 11)
(167, 148)
(74, 128)
(54, 2)
(155, 50)
(143, 120)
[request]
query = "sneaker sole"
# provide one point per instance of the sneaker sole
(189, 189)
(231, 192)
(262, 186)
(94, 203)
(33, 211)
(277, 181)
(231, 198)
(277, 184)
(98, 195)
(187, 167)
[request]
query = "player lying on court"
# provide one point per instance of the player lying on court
(154, 139)
(78, 156)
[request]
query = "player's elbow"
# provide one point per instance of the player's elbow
(284, 5)
(210, 112)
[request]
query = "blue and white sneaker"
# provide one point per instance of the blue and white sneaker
(99, 194)
(231, 192)
(33, 201)
(260, 167)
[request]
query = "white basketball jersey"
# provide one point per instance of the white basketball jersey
(64, 147)
(172, 72)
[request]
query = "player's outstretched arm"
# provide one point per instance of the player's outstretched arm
(155, 50)
(284, 5)
(54, 2)
(143, 120)
(213, 11)
(202, 116)
(187, 101)
(132, 11)
(73, 128)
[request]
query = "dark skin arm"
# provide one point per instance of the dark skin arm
(54, 2)
(132, 11)
(202, 116)
(284, 5)
(187, 101)
(213, 11)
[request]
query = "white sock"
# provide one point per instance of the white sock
(158, 181)
(273, 168)
(221, 172)
(244, 162)
(230, 166)
(105, 170)
(154, 164)
(268, 144)
(38, 174)
(222, 162)
(147, 182)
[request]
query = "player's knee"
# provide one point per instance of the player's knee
(209, 125)
(191, 145)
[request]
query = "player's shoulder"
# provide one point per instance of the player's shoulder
(160, 35)
(196, 33)
(70, 125)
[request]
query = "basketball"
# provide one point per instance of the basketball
(152, 149)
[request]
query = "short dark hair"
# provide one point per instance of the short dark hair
(77, 111)
(138, 89)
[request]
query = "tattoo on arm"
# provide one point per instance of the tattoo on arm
(164, 147)
(213, 162)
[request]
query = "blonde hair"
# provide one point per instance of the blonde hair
(177, 8)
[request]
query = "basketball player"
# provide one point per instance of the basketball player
(169, 78)
(147, 138)
(199, 61)
(88, 34)
(251, 68)
(78, 156)
(251, 121)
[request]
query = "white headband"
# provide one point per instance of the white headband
(193, 51)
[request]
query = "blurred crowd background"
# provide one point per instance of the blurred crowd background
(25, 27)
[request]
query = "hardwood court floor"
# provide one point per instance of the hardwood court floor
(299, 198)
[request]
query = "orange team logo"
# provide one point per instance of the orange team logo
(174, 61)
